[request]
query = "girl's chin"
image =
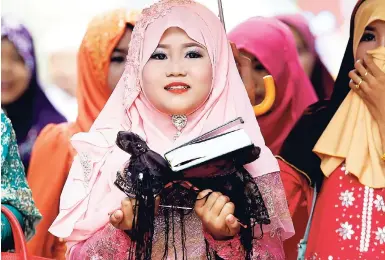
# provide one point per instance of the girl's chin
(179, 111)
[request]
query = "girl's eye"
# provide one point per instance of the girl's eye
(17, 58)
(301, 49)
(259, 67)
(193, 55)
(367, 37)
(117, 59)
(158, 56)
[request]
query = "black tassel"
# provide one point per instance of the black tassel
(146, 176)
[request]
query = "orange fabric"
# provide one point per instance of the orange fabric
(299, 198)
(53, 154)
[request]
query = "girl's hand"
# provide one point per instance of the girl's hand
(122, 218)
(368, 81)
(216, 213)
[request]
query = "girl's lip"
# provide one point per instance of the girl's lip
(177, 90)
(6, 85)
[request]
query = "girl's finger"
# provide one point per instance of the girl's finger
(128, 214)
(201, 200)
(219, 205)
(358, 90)
(358, 82)
(363, 72)
(233, 226)
(116, 218)
(211, 200)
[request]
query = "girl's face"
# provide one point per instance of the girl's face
(118, 58)
(373, 37)
(178, 76)
(259, 71)
(15, 75)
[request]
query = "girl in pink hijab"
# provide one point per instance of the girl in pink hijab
(180, 81)
(271, 47)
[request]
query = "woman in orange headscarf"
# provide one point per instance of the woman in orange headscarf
(101, 61)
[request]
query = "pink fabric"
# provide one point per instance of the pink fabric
(299, 23)
(110, 243)
(89, 193)
(272, 43)
(321, 79)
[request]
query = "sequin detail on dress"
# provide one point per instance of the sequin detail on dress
(86, 164)
(273, 194)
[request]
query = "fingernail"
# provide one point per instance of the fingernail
(231, 219)
(358, 61)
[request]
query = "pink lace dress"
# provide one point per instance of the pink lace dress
(111, 243)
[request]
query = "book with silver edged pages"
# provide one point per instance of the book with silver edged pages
(214, 145)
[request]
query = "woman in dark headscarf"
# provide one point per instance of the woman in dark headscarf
(22, 97)
(319, 75)
(342, 143)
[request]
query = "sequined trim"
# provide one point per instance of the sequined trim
(366, 219)
(86, 163)
(273, 193)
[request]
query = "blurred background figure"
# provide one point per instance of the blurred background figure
(63, 81)
(311, 62)
(101, 62)
(22, 97)
(15, 193)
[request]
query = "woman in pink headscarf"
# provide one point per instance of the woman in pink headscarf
(180, 65)
(320, 77)
(271, 48)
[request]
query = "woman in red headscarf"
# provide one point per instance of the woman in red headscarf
(272, 51)
(101, 61)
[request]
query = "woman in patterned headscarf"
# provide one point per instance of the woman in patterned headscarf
(101, 61)
(22, 97)
(15, 193)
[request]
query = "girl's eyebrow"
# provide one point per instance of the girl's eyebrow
(184, 45)
(123, 51)
(370, 28)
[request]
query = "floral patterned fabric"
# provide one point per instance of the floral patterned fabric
(14, 188)
(349, 220)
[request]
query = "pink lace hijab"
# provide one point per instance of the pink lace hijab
(90, 194)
